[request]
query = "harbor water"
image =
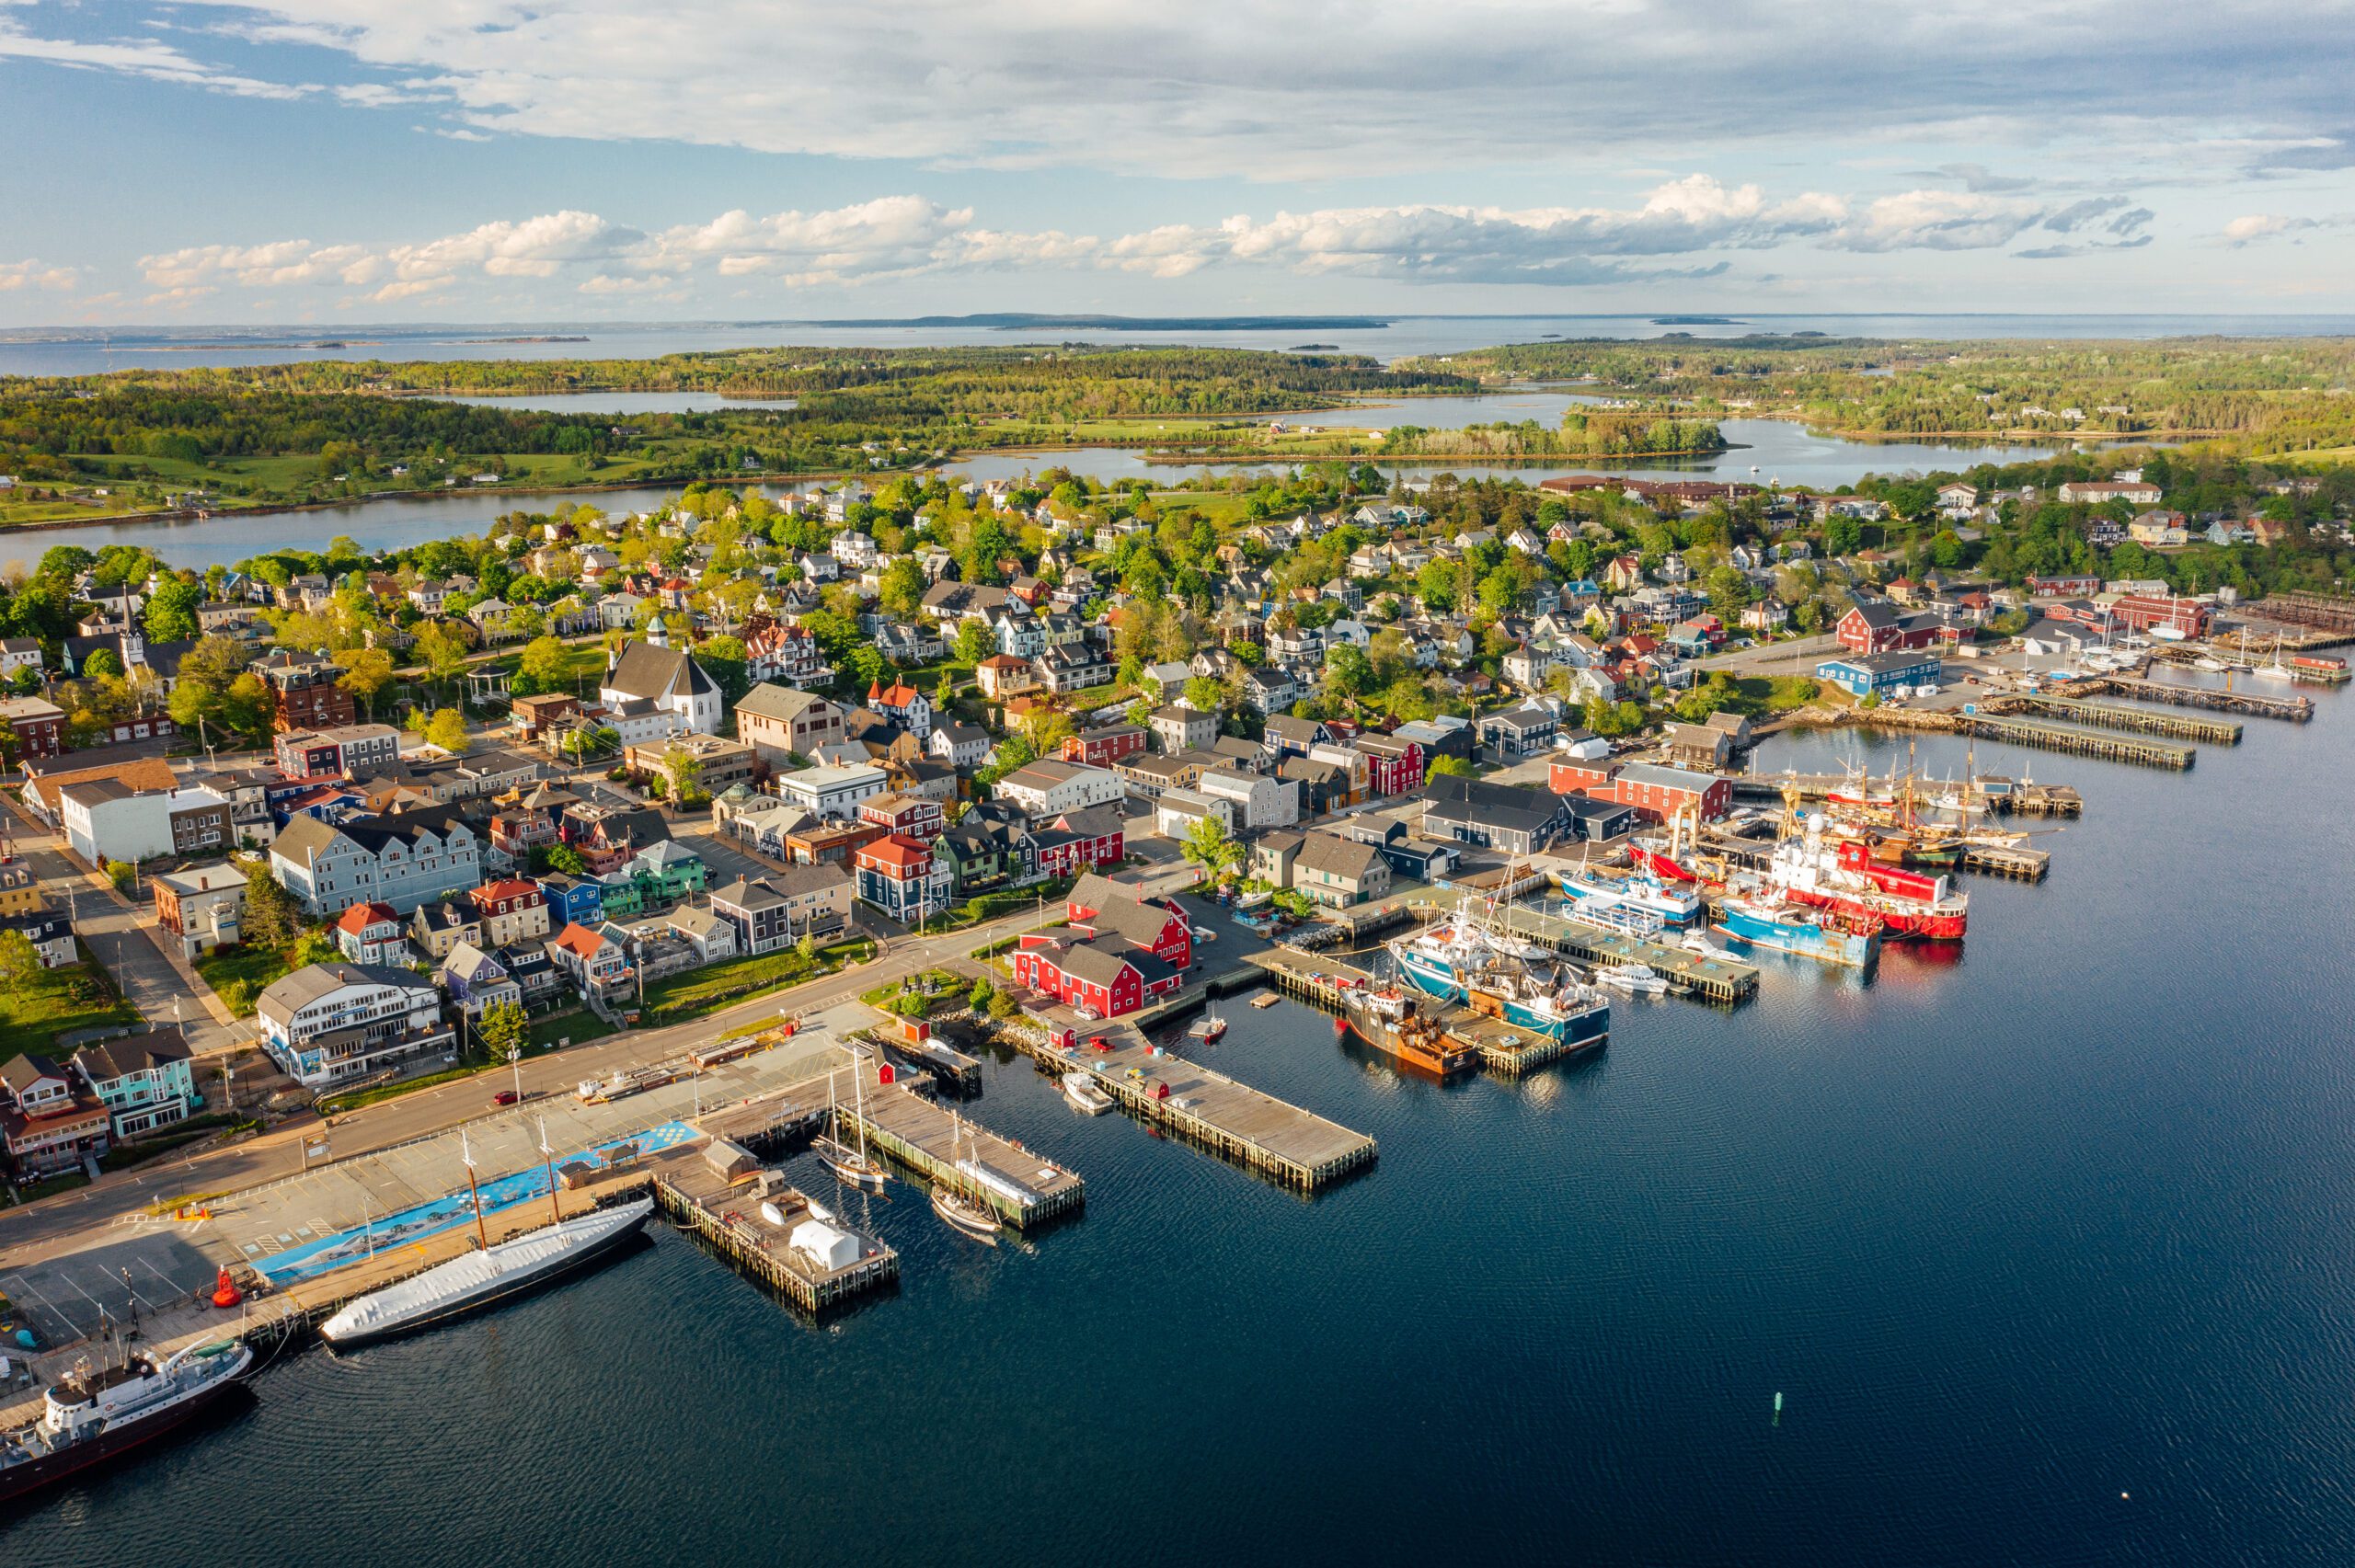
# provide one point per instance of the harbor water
(2043, 1241)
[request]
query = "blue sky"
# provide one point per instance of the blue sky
(366, 160)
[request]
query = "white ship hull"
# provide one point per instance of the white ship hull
(470, 1283)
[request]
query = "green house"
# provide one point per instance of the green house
(665, 874)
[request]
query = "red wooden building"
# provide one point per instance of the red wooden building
(1392, 766)
(1102, 748)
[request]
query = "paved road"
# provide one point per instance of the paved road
(1798, 658)
(38, 1228)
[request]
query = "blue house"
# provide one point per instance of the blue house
(572, 900)
(1863, 674)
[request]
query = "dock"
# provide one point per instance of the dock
(1505, 1050)
(1028, 1188)
(2248, 705)
(2110, 715)
(726, 1214)
(1718, 978)
(2109, 747)
(1271, 1138)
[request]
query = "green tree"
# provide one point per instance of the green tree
(171, 611)
(447, 729)
(102, 662)
(502, 1027)
(19, 961)
(1204, 694)
(271, 916)
(1449, 768)
(902, 587)
(366, 672)
(974, 643)
(545, 664)
(684, 768)
(1209, 845)
(441, 651)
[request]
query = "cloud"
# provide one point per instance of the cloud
(2259, 226)
(2059, 252)
(1215, 87)
(148, 59)
(30, 273)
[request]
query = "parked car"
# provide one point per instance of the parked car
(504, 1097)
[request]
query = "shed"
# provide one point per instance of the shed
(732, 1160)
(824, 1245)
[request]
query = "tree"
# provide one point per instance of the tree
(979, 998)
(103, 661)
(974, 642)
(902, 587)
(271, 917)
(442, 652)
(19, 961)
(171, 611)
(545, 664)
(366, 672)
(1348, 671)
(501, 1028)
(685, 770)
(558, 857)
(1203, 694)
(447, 729)
(1449, 768)
(1209, 845)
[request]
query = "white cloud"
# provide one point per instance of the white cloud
(2259, 226)
(30, 273)
(149, 59)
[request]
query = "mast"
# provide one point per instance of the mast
(467, 1153)
(555, 1211)
(858, 1096)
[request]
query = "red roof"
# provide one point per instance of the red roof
(894, 695)
(578, 940)
(359, 917)
(896, 853)
(511, 887)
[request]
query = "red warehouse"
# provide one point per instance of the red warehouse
(1581, 778)
(1082, 841)
(1102, 748)
(1660, 793)
(2144, 611)
(1392, 766)
(1875, 626)
(1101, 907)
(1108, 979)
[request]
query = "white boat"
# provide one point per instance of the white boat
(480, 1278)
(1638, 979)
(853, 1167)
(1208, 1028)
(94, 1414)
(963, 1209)
(1084, 1094)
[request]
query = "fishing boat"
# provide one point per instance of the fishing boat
(1451, 962)
(94, 1414)
(1627, 919)
(1390, 1022)
(1675, 904)
(480, 1279)
(1829, 936)
(958, 1200)
(853, 1167)
(1804, 869)
(1638, 979)
(1084, 1094)
(1209, 1028)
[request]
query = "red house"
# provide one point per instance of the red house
(1102, 748)
(1581, 778)
(39, 726)
(1659, 793)
(1100, 907)
(1875, 626)
(2063, 588)
(1108, 979)
(1392, 766)
(2144, 611)
(918, 817)
(1082, 841)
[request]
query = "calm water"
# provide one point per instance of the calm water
(2062, 1216)
(136, 348)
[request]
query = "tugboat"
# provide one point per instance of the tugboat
(94, 1414)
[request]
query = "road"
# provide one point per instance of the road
(40, 1227)
(1798, 658)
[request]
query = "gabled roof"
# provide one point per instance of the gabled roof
(104, 1059)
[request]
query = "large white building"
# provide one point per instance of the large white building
(1261, 801)
(328, 1023)
(653, 690)
(832, 792)
(1048, 788)
(106, 820)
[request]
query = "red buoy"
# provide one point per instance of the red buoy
(224, 1294)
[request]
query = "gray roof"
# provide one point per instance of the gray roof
(1337, 857)
(784, 704)
(294, 992)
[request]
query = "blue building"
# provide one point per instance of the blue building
(1863, 674)
(572, 900)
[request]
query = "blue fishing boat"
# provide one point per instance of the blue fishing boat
(1453, 962)
(1825, 935)
(1591, 890)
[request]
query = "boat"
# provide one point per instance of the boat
(1675, 904)
(1804, 869)
(1450, 961)
(853, 1167)
(1390, 1022)
(1084, 1094)
(960, 1207)
(94, 1414)
(1639, 978)
(482, 1279)
(1627, 920)
(1830, 936)
(1209, 1028)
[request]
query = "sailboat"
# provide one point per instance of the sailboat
(960, 1210)
(852, 1167)
(1209, 1027)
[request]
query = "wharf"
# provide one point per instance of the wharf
(2036, 799)
(2047, 736)
(1505, 1048)
(1712, 978)
(2295, 710)
(929, 1141)
(725, 1214)
(2109, 715)
(1269, 1137)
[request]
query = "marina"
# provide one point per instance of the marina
(1502, 1048)
(1023, 1188)
(2109, 715)
(2249, 704)
(773, 1233)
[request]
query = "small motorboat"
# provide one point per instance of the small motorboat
(1084, 1094)
(1694, 942)
(1209, 1028)
(1639, 979)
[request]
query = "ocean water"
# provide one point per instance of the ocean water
(2044, 1240)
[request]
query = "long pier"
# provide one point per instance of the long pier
(2040, 734)
(1272, 1137)
(2294, 710)
(1506, 1049)
(927, 1139)
(2110, 715)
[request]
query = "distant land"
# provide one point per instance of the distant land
(1696, 321)
(1022, 321)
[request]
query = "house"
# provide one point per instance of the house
(902, 877)
(476, 980)
(1179, 727)
(514, 910)
(1698, 746)
(1105, 747)
(778, 909)
(106, 820)
(1270, 689)
(2093, 492)
(1865, 674)
(1519, 732)
(305, 691)
(775, 651)
(1074, 667)
(1873, 626)
(51, 931)
(438, 928)
(352, 751)
(715, 762)
(832, 792)
(1498, 817)
(1176, 812)
(1004, 675)
(144, 1081)
(1095, 839)
(1288, 736)
(327, 1023)
(1259, 801)
(203, 906)
(370, 933)
(778, 723)
(960, 745)
(1097, 979)
(669, 684)
(48, 1125)
(1050, 788)
(401, 859)
(1100, 906)
(595, 959)
(705, 930)
(990, 845)
(1657, 793)
(907, 709)
(914, 816)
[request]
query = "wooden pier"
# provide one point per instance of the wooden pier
(726, 1215)
(1506, 1049)
(1294, 1148)
(2294, 710)
(924, 1138)
(2003, 860)
(2110, 715)
(2038, 734)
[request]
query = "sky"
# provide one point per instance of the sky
(380, 161)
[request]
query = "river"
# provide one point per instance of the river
(2044, 1241)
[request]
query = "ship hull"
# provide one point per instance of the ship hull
(1674, 910)
(1921, 921)
(1805, 939)
(491, 1293)
(122, 1438)
(1428, 977)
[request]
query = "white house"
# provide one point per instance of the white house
(1050, 788)
(650, 678)
(1261, 801)
(832, 792)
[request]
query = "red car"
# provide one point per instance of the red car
(504, 1097)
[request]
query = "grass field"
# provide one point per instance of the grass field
(57, 1002)
(239, 975)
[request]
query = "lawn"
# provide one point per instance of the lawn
(701, 990)
(56, 1002)
(239, 975)
(579, 1027)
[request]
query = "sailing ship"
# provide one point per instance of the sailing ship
(483, 1278)
(853, 1167)
(956, 1199)
(94, 1414)
(1830, 936)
